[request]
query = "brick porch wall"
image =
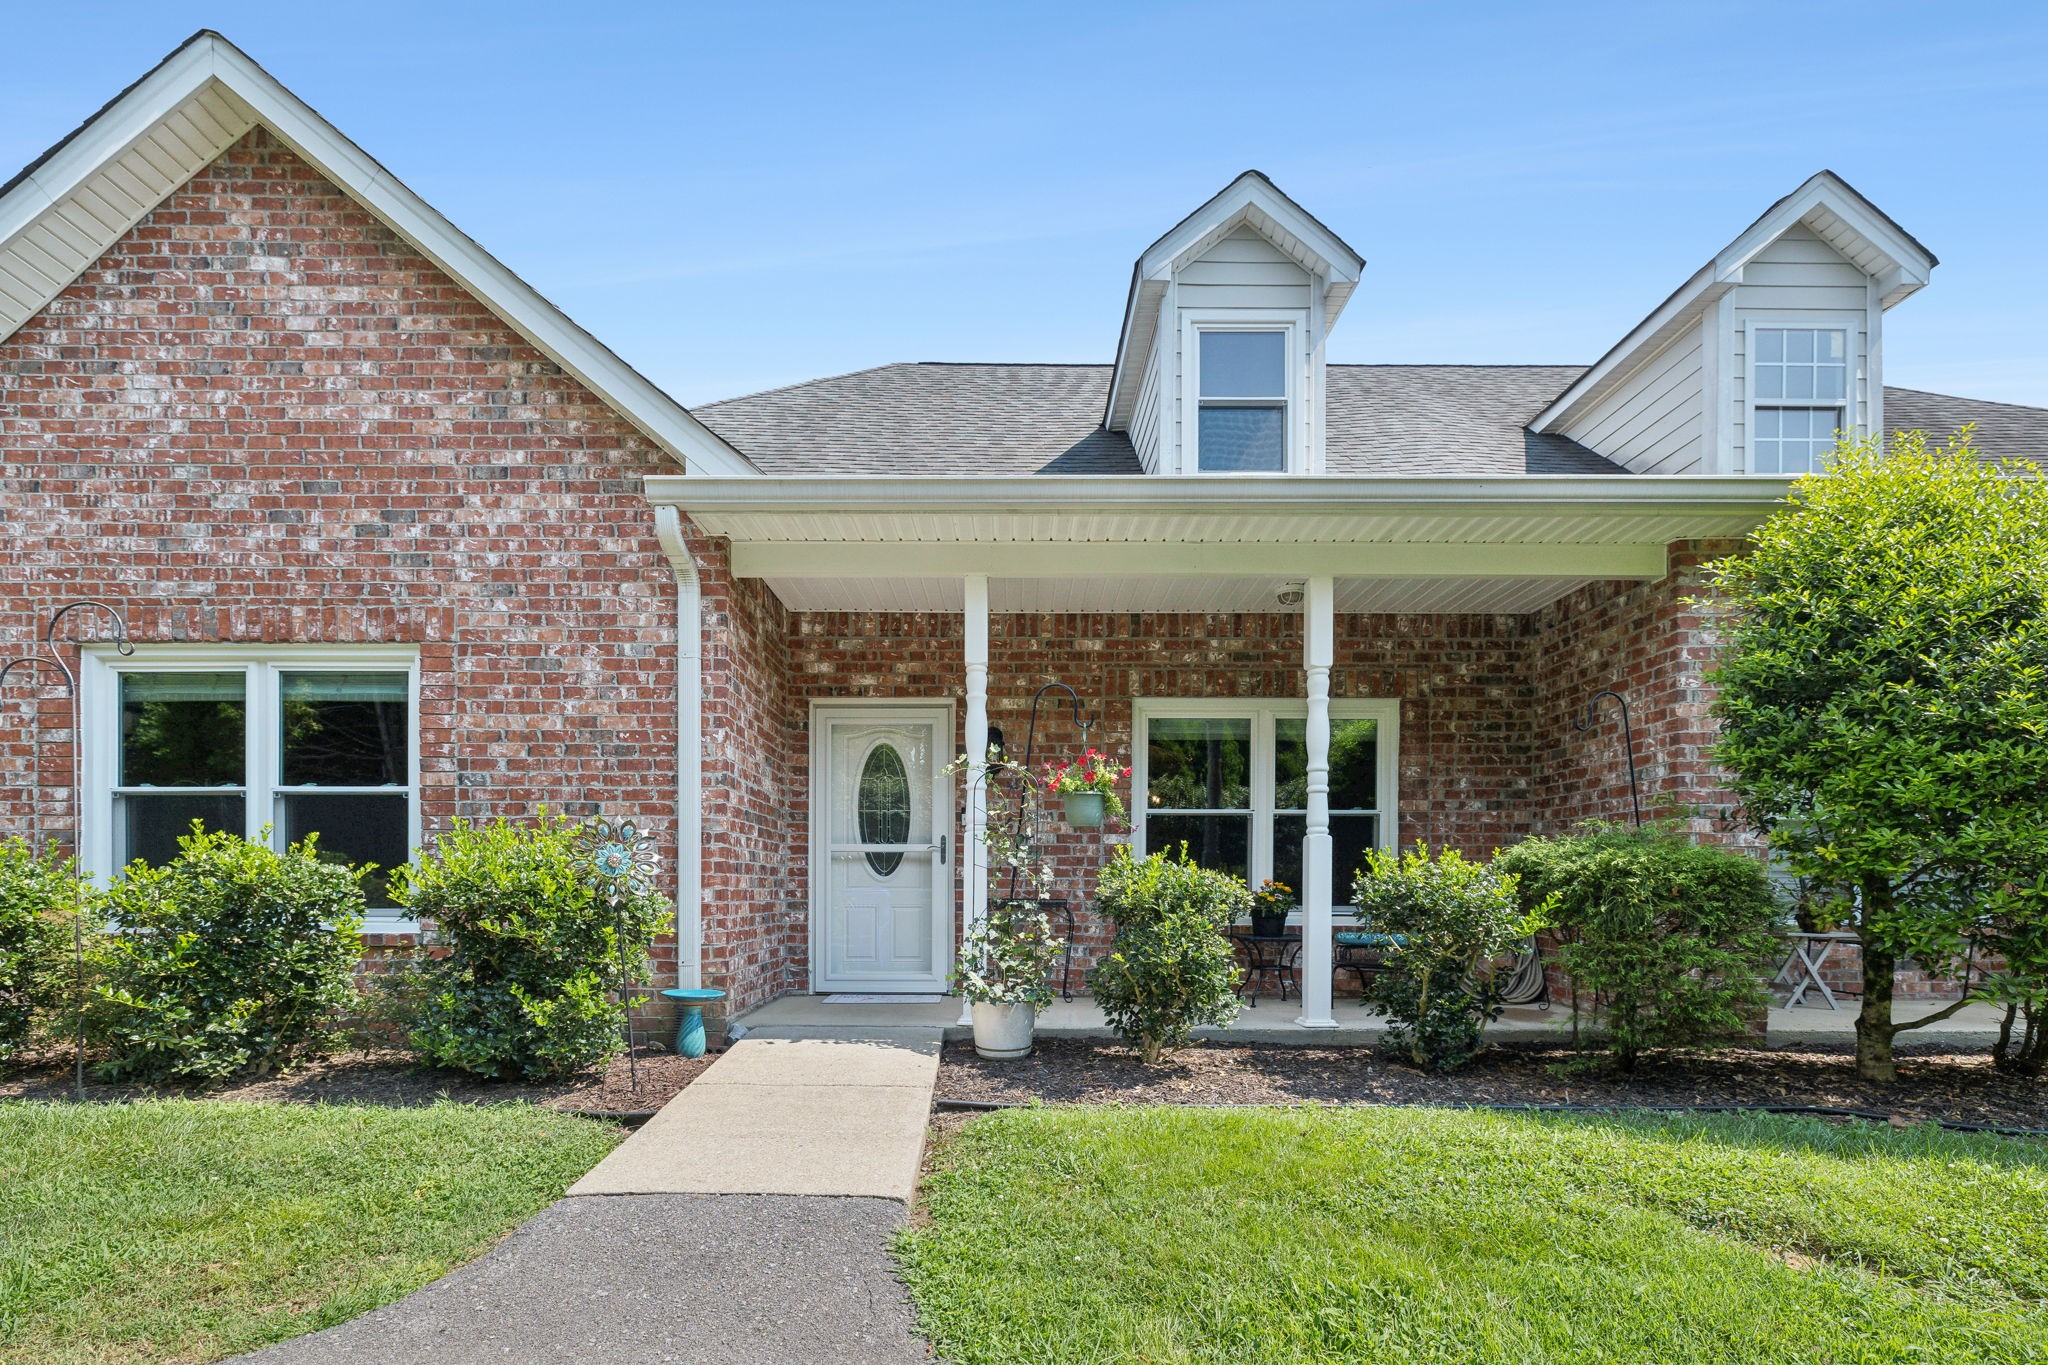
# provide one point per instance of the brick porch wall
(1466, 738)
(263, 418)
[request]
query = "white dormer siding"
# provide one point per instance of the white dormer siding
(1801, 293)
(1802, 284)
(1252, 264)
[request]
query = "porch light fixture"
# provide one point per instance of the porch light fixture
(1290, 594)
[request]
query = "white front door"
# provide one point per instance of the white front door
(881, 860)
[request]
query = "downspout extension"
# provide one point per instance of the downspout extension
(668, 530)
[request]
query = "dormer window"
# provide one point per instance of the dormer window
(1802, 387)
(1242, 425)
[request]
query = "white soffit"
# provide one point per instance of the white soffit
(1825, 204)
(69, 208)
(1354, 596)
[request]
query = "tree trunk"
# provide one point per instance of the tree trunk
(1874, 1028)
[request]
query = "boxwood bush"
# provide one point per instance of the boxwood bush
(1170, 966)
(522, 954)
(36, 903)
(1450, 922)
(229, 958)
(1668, 941)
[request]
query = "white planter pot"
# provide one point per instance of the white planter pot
(1003, 1031)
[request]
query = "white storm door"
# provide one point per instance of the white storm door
(882, 866)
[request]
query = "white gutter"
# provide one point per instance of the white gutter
(1218, 492)
(668, 529)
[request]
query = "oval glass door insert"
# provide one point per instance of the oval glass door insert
(883, 800)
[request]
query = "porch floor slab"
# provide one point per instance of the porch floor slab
(837, 1115)
(1273, 1021)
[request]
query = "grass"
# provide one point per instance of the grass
(1397, 1235)
(174, 1230)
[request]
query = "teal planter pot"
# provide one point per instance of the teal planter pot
(1085, 809)
(690, 1018)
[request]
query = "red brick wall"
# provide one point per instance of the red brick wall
(1647, 642)
(263, 418)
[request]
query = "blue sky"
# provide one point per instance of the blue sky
(736, 196)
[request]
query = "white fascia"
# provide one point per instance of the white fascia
(1216, 492)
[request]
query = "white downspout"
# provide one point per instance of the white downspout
(668, 529)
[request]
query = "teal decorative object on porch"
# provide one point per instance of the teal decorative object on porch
(690, 1018)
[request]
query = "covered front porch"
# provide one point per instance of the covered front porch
(1459, 625)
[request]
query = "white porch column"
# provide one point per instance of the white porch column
(973, 853)
(1319, 630)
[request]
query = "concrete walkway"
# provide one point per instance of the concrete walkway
(747, 1224)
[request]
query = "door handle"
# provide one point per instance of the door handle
(942, 848)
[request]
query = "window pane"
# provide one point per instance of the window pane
(1770, 345)
(1770, 382)
(344, 729)
(883, 800)
(182, 729)
(1354, 765)
(1243, 440)
(1350, 837)
(352, 829)
(1219, 842)
(1799, 347)
(1198, 763)
(1244, 365)
(1798, 381)
(149, 826)
(1830, 381)
(1768, 460)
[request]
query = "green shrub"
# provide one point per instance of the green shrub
(1670, 939)
(524, 954)
(231, 957)
(1449, 922)
(1170, 966)
(36, 902)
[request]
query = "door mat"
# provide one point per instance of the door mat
(844, 999)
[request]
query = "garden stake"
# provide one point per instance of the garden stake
(619, 859)
(51, 658)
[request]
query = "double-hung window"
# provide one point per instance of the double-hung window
(1230, 781)
(1241, 409)
(306, 742)
(1802, 388)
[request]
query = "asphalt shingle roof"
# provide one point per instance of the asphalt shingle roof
(945, 418)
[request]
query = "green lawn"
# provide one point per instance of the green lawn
(176, 1230)
(1389, 1235)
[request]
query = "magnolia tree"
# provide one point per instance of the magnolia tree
(1884, 710)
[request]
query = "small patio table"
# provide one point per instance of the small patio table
(1269, 955)
(1809, 954)
(690, 1018)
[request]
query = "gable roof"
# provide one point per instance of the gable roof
(67, 207)
(939, 418)
(1252, 200)
(1826, 204)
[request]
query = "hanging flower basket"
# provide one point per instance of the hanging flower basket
(1086, 810)
(1087, 788)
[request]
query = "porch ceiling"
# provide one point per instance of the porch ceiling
(1192, 595)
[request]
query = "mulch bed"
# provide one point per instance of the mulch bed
(387, 1076)
(1957, 1087)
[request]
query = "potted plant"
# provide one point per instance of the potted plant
(1003, 969)
(1271, 904)
(1087, 788)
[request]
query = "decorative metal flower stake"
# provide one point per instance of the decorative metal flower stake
(618, 858)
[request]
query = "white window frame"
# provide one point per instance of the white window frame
(1754, 323)
(1194, 322)
(100, 706)
(1262, 714)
